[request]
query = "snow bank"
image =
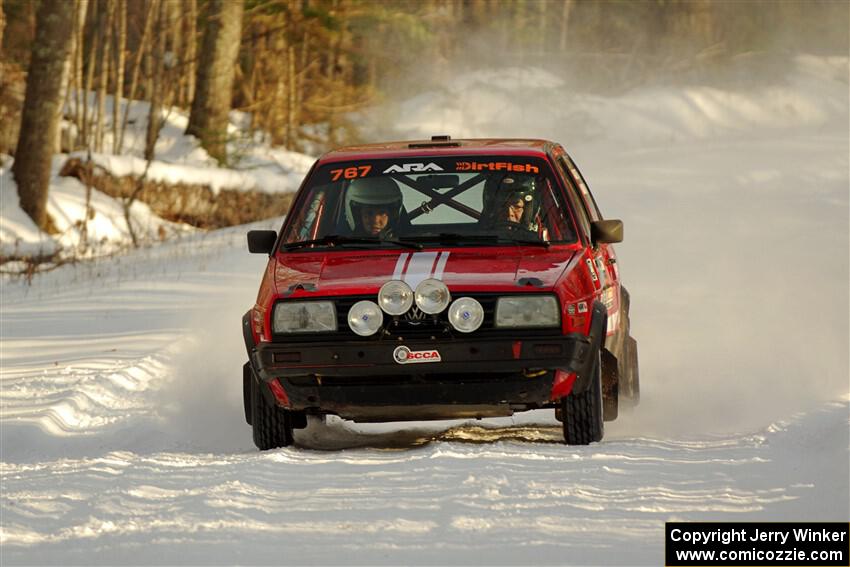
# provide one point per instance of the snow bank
(104, 231)
(179, 158)
(531, 102)
(19, 236)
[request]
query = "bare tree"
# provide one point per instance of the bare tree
(96, 18)
(565, 24)
(2, 22)
(55, 23)
(77, 68)
(208, 119)
(140, 50)
(156, 81)
(105, 35)
(119, 51)
(190, 31)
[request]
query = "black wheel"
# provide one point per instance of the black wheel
(630, 382)
(582, 413)
(271, 425)
(247, 379)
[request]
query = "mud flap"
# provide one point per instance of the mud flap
(247, 335)
(247, 379)
(610, 386)
(598, 329)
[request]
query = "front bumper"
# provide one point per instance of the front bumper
(473, 378)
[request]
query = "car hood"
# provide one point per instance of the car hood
(495, 269)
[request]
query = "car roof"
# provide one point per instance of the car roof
(440, 146)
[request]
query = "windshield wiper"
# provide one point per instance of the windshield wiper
(527, 242)
(477, 238)
(454, 237)
(338, 239)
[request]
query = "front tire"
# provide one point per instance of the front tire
(271, 425)
(582, 413)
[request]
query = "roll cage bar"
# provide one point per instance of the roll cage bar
(441, 199)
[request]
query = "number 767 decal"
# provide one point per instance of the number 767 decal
(351, 172)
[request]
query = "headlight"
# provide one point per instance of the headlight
(395, 297)
(466, 314)
(432, 296)
(365, 318)
(304, 317)
(529, 311)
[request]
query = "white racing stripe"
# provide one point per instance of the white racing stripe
(441, 265)
(414, 268)
(399, 265)
(420, 268)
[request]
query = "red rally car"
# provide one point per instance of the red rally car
(440, 279)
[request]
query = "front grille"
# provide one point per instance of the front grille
(417, 325)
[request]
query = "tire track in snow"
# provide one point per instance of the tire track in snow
(504, 498)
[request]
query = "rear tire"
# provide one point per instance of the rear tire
(582, 413)
(271, 425)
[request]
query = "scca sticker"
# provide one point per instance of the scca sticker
(413, 168)
(404, 355)
(497, 166)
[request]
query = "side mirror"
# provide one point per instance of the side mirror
(606, 231)
(261, 241)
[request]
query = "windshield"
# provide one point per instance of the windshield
(448, 201)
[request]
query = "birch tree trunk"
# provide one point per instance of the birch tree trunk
(565, 24)
(103, 80)
(91, 61)
(40, 117)
(190, 32)
(154, 116)
(79, 44)
(214, 85)
(137, 62)
(119, 50)
(2, 23)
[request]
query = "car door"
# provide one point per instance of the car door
(602, 255)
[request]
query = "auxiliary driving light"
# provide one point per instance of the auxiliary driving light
(466, 314)
(395, 297)
(365, 318)
(432, 296)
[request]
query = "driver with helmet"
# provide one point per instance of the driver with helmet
(373, 207)
(511, 203)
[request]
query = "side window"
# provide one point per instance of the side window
(306, 225)
(585, 190)
(576, 202)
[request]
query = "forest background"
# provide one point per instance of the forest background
(303, 71)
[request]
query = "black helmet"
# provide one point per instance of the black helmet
(510, 189)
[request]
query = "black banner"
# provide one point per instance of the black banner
(757, 543)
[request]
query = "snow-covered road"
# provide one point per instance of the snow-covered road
(123, 440)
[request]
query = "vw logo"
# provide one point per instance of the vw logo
(415, 315)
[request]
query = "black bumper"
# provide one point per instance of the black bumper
(474, 377)
(275, 360)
